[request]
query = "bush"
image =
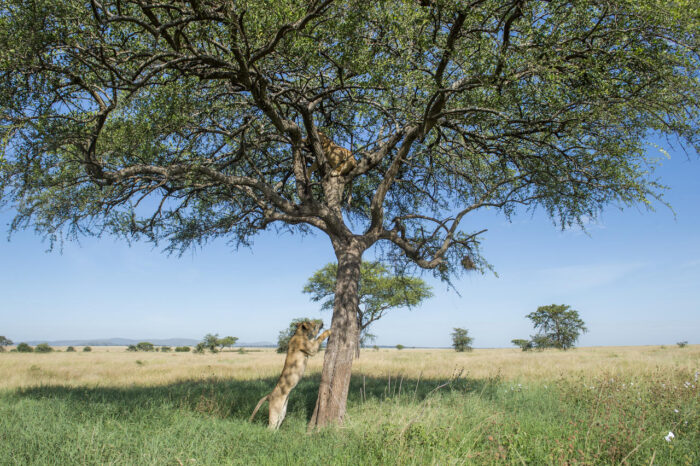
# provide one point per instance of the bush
(24, 348)
(400, 347)
(132, 348)
(165, 349)
(70, 349)
(682, 344)
(87, 349)
(43, 348)
(182, 349)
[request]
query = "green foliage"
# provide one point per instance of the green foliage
(227, 342)
(287, 334)
(145, 346)
(210, 342)
(87, 349)
(4, 341)
(165, 349)
(558, 326)
(43, 348)
(132, 348)
(379, 291)
(182, 349)
(70, 349)
(213, 343)
(461, 341)
(199, 348)
(525, 345)
(400, 347)
(451, 109)
(682, 344)
(24, 348)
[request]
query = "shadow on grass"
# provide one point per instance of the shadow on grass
(231, 398)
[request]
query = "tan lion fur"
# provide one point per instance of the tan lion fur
(339, 158)
(301, 346)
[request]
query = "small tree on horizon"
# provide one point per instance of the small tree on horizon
(379, 291)
(558, 326)
(144, 346)
(525, 345)
(226, 342)
(4, 341)
(461, 341)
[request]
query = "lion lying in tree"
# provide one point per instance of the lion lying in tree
(301, 346)
(339, 158)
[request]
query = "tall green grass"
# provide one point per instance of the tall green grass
(591, 420)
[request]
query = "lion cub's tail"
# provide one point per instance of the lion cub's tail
(255, 411)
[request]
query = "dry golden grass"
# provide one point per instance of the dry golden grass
(114, 366)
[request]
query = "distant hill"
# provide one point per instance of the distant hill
(119, 342)
(129, 341)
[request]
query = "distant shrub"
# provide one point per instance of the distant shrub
(70, 349)
(199, 349)
(24, 348)
(43, 348)
(165, 349)
(241, 351)
(145, 346)
(87, 349)
(375, 348)
(525, 345)
(182, 349)
(132, 348)
(682, 344)
(400, 347)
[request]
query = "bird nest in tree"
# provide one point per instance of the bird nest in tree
(468, 263)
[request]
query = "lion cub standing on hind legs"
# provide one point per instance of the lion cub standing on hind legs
(301, 346)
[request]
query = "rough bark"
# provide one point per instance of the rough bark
(337, 363)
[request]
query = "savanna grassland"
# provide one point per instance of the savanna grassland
(612, 405)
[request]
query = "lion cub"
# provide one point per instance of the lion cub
(340, 159)
(301, 346)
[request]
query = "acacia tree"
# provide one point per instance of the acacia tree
(378, 291)
(461, 341)
(187, 120)
(558, 326)
(4, 341)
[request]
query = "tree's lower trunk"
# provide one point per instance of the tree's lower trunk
(337, 363)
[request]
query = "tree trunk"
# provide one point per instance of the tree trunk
(337, 363)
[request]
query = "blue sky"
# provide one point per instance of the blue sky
(634, 277)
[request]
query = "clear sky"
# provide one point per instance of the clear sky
(634, 277)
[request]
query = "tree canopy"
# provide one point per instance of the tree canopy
(461, 341)
(379, 291)
(558, 326)
(183, 121)
(4, 341)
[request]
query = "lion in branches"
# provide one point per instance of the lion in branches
(301, 346)
(339, 158)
